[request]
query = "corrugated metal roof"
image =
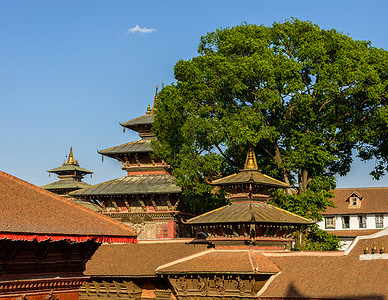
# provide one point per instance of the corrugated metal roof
(69, 168)
(248, 176)
(132, 147)
(142, 120)
(132, 184)
(65, 185)
(244, 212)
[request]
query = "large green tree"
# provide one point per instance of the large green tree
(305, 97)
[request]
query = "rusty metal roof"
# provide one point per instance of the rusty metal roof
(132, 147)
(132, 184)
(245, 212)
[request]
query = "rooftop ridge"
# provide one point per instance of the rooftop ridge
(66, 201)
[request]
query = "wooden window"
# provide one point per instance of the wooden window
(379, 221)
(345, 222)
(329, 223)
(362, 221)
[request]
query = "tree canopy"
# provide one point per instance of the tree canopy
(306, 98)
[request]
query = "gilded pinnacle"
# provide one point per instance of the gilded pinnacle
(250, 162)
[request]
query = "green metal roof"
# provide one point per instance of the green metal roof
(142, 120)
(250, 176)
(87, 204)
(132, 184)
(132, 147)
(69, 168)
(65, 184)
(246, 212)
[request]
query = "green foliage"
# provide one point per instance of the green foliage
(320, 240)
(303, 96)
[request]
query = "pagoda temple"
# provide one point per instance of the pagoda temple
(147, 198)
(237, 234)
(70, 176)
(249, 219)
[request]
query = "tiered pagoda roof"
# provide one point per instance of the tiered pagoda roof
(70, 175)
(249, 203)
(148, 195)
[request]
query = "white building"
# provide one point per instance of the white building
(358, 211)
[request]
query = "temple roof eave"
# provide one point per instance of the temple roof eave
(249, 212)
(65, 168)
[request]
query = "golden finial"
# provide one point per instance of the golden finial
(366, 250)
(382, 249)
(64, 162)
(148, 110)
(155, 99)
(71, 160)
(250, 162)
(374, 249)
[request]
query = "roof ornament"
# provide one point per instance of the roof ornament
(155, 99)
(148, 110)
(71, 160)
(250, 162)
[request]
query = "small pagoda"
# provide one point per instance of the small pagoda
(147, 198)
(249, 219)
(234, 266)
(70, 176)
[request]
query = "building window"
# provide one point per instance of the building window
(362, 221)
(379, 221)
(329, 223)
(345, 222)
(354, 202)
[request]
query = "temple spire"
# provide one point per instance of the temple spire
(71, 160)
(155, 99)
(250, 162)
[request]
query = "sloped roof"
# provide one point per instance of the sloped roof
(142, 120)
(138, 260)
(244, 212)
(131, 147)
(132, 184)
(65, 184)
(69, 168)
(331, 275)
(250, 176)
(374, 200)
(221, 261)
(28, 209)
(353, 233)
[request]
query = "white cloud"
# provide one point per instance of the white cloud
(137, 28)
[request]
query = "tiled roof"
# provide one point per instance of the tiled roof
(69, 168)
(65, 184)
(243, 212)
(138, 260)
(25, 208)
(221, 261)
(328, 275)
(353, 233)
(132, 147)
(250, 176)
(374, 200)
(133, 184)
(142, 120)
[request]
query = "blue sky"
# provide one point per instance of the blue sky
(70, 71)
